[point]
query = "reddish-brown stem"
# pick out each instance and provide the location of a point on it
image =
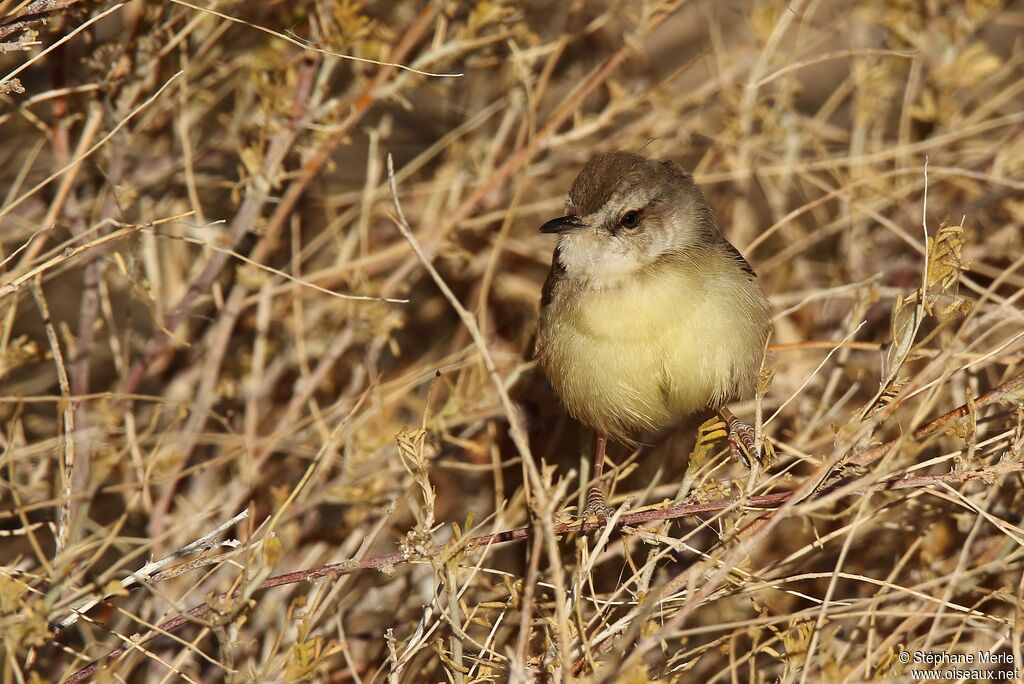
(1003, 391)
(1006, 390)
(522, 533)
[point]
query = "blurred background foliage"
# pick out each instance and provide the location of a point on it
(206, 307)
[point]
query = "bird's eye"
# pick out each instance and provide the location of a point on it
(631, 219)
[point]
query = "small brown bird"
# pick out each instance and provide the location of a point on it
(648, 314)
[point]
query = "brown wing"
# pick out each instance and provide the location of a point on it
(547, 295)
(730, 249)
(556, 273)
(735, 254)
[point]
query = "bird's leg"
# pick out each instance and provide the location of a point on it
(742, 440)
(596, 505)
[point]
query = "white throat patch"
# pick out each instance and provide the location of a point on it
(588, 257)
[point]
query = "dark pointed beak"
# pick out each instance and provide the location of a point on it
(562, 224)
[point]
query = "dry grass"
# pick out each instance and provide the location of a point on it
(236, 403)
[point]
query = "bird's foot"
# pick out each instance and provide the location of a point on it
(597, 507)
(709, 433)
(742, 442)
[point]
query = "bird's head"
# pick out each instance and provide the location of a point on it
(624, 214)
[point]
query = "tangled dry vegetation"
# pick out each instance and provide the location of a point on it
(251, 430)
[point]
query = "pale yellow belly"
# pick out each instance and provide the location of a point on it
(637, 359)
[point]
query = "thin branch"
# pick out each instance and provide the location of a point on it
(88, 153)
(67, 493)
(1011, 390)
(307, 46)
(35, 12)
(153, 568)
(386, 562)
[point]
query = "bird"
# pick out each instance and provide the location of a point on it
(648, 314)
